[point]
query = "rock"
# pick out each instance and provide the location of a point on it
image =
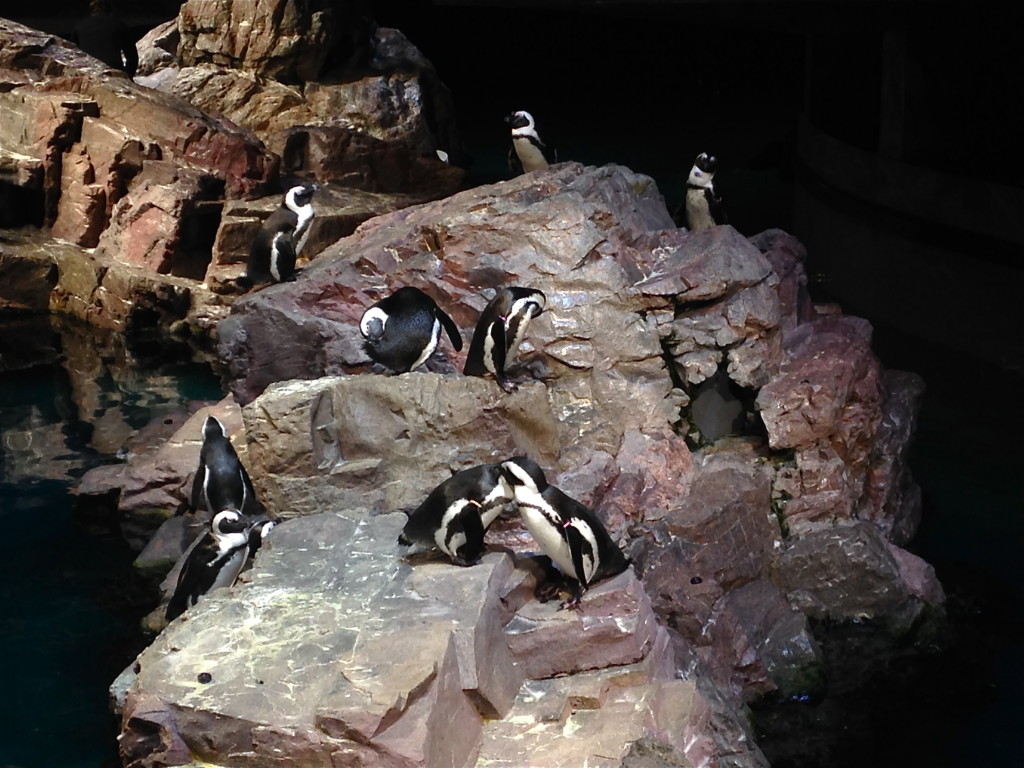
(155, 483)
(786, 254)
(379, 441)
(849, 573)
(286, 41)
(158, 49)
(25, 282)
(615, 618)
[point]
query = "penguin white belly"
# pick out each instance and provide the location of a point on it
(435, 334)
(518, 307)
(231, 568)
(545, 526)
(529, 155)
(698, 215)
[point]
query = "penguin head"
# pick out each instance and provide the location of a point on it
(521, 472)
(520, 120)
(227, 522)
(372, 324)
(213, 428)
(300, 195)
(703, 171)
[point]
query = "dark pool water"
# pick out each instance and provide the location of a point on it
(70, 604)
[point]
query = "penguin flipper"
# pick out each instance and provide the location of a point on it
(514, 163)
(475, 358)
(197, 487)
(715, 207)
(450, 327)
(577, 543)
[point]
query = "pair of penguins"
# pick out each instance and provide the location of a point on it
(702, 207)
(456, 514)
(453, 517)
(237, 529)
(402, 330)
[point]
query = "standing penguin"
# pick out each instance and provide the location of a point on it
(528, 152)
(457, 512)
(221, 481)
(567, 531)
(274, 250)
(500, 331)
(703, 207)
(215, 561)
(402, 330)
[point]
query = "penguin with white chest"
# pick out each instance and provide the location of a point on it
(528, 152)
(276, 246)
(215, 561)
(500, 331)
(568, 532)
(221, 481)
(457, 513)
(703, 206)
(401, 331)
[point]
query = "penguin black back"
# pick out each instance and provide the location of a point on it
(455, 515)
(500, 330)
(215, 561)
(401, 331)
(276, 246)
(221, 481)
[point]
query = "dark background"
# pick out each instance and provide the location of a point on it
(649, 86)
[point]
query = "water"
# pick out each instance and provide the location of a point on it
(71, 604)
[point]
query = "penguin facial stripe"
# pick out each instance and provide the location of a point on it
(428, 350)
(525, 481)
(373, 313)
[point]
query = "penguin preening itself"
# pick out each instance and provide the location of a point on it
(500, 331)
(528, 152)
(221, 481)
(567, 531)
(215, 561)
(703, 206)
(279, 242)
(458, 511)
(401, 331)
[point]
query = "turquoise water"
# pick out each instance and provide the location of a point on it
(71, 606)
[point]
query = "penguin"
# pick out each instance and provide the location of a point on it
(215, 561)
(703, 207)
(258, 533)
(402, 330)
(274, 250)
(500, 330)
(568, 532)
(457, 512)
(528, 152)
(221, 481)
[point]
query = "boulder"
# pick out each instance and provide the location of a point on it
(392, 663)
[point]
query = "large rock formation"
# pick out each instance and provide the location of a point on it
(155, 185)
(740, 541)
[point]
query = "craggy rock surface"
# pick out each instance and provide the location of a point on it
(738, 544)
(372, 121)
(459, 686)
(162, 188)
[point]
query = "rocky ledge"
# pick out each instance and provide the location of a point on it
(742, 445)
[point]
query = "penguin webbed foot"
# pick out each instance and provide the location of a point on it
(573, 603)
(507, 384)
